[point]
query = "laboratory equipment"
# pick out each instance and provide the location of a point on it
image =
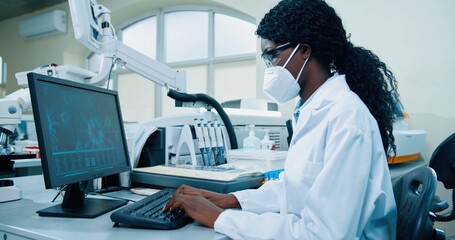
(208, 146)
(169, 129)
(409, 142)
(220, 142)
(66, 72)
(186, 142)
(209, 178)
(147, 213)
(11, 108)
(200, 139)
(81, 138)
(215, 173)
(266, 143)
(200, 100)
(251, 142)
(9, 191)
(93, 28)
(258, 160)
(160, 148)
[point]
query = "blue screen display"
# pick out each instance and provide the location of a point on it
(80, 130)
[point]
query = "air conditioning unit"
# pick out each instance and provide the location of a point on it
(46, 24)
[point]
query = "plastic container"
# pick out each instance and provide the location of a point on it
(252, 142)
(266, 143)
(259, 160)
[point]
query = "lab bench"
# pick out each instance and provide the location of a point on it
(19, 220)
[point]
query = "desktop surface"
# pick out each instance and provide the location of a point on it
(20, 218)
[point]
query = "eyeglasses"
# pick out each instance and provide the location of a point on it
(270, 56)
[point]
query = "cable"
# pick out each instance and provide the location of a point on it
(60, 190)
(110, 71)
(185, 97)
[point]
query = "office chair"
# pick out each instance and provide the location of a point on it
(443, 162)
(414, 194)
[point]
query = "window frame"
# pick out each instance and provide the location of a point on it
(211, 59)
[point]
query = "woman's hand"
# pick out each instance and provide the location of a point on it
(201, 205)
(219, 199)
(195, 206)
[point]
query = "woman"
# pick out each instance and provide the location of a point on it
(336, 183)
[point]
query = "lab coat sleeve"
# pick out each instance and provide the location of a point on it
(334, 202)
(264, 199)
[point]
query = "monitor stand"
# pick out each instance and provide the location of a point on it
(75, 205)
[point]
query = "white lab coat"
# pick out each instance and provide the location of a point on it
(336, 183)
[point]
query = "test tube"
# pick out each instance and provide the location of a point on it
(213, 142)
(205, 131)
(200, 139)
(220, 141)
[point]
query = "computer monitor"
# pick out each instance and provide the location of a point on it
(86, 27)
(81, 137)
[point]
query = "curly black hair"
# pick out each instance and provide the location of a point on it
(315, 23)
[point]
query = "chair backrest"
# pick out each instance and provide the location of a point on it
(443, 162)
(414, 194)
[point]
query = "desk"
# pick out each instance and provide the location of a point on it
(20, 167)
(19, 220)
(27, 167)
(400, 169)
(395, 169)
(22, 163)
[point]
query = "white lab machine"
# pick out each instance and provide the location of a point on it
(162, 146)
(8, 191)
(171, 130)
(409, 142)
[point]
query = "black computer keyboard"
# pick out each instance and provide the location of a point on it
(147, 213)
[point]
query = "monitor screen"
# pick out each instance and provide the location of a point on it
(85, 24)
(80, 136)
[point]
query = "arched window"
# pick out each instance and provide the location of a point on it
(215, 47)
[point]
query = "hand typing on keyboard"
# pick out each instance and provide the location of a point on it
(201, 205)
(171, 209)
(147, 213)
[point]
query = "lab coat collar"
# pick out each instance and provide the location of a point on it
(329, 91)
(334, 88)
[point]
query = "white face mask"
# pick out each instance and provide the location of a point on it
(279, 84)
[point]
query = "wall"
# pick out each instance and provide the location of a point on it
(22, 55)
(415, 38)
